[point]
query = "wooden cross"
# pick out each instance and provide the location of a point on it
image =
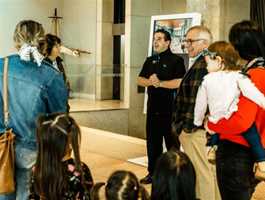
(67, 50)
(55, 22)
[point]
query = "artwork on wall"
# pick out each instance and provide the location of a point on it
(177, 25)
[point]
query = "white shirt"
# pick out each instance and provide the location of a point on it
(54, 64)
(220, 92)
(193, 60)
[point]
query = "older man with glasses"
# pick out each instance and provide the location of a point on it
(191, 137)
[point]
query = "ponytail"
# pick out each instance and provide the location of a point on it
(75, 138)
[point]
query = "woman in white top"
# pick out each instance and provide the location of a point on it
(219, 94)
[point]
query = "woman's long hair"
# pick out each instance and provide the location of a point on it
(248, 39)
(121, 185)
(55, 134)
(174, 177)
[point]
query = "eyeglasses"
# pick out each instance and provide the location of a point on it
(190, 41)
(211, 54)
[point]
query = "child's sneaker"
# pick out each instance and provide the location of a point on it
(211, 154)
(259, 170)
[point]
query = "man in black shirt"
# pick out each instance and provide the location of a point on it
(161, 74)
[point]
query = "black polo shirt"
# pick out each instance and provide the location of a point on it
(166, 66)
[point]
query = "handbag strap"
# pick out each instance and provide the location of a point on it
(5, 92)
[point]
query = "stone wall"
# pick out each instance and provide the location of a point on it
(219, 15)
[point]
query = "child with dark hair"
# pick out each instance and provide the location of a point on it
(174, 177)
(121, 185)
(220, 91)
(56, 175)
(51, 50)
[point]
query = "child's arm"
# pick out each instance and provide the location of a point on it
(250, 91)
(200, 105)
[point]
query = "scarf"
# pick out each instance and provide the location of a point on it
(26, 52)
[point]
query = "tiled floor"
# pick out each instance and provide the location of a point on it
(105, 152)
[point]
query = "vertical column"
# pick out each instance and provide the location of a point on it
(137, 28)
(211, 14)
(104, 49)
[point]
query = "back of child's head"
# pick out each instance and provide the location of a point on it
(229, 55)
(56, 134)
(51, 41)
(122, 185)
(174, 177)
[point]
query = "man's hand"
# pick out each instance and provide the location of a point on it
(207, 128)
(154, 80)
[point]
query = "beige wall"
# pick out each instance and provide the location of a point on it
(104, 53)
(173, 6)
(211, 14)
(13, 11)
(79, 30)
(233, 11)
(219, 15)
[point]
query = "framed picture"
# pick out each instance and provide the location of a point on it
(177, 25)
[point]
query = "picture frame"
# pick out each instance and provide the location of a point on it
(177, 25)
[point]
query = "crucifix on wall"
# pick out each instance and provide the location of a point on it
(55, 23)
(55, 30)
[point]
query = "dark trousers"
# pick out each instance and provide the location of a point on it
(157, 127)
(234, 167)
(253, 138)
